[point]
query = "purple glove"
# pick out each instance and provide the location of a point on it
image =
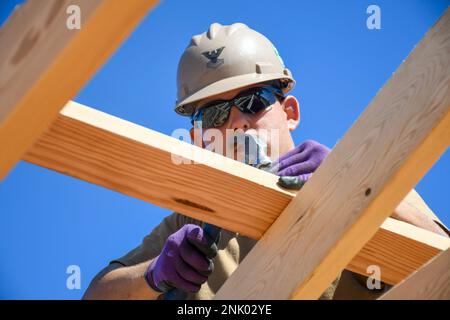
(296, 166)
(185, 261)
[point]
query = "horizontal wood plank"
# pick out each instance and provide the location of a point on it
(102, 149)
(398, 249)
(122, 156)
(430, 282)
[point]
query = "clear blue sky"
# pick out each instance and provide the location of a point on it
(49, 221)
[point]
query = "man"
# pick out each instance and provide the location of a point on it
(229, 78)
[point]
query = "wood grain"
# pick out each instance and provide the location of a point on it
(431, 282)
(102, 149)
(119, 155)
(399, 249)
(401, 134)
(43, 64)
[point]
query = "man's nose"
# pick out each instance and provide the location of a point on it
(238, 120)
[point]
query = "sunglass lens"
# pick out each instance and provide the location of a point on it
(215, 116)
(257, 101)
(252, 101)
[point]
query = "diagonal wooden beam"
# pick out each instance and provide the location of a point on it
(431, 282)
(102, 149)
(43, 64)
(401, 134)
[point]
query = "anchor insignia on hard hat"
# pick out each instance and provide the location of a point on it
(213, 57)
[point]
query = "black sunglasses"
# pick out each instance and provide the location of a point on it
(214, 114)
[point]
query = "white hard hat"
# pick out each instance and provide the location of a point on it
(226, 58)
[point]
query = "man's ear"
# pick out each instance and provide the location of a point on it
(196, 137)
(291, 108)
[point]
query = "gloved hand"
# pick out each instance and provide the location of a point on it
(296, 166)
(185, 261)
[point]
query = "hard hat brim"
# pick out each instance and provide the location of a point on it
(228, 84)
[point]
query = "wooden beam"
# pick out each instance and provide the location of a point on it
(398, 248)
(102, 149)
(43, 64)
(122, 156)
(431, 282)
(401, 134)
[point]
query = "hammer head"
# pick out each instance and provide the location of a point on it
(252, 149)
